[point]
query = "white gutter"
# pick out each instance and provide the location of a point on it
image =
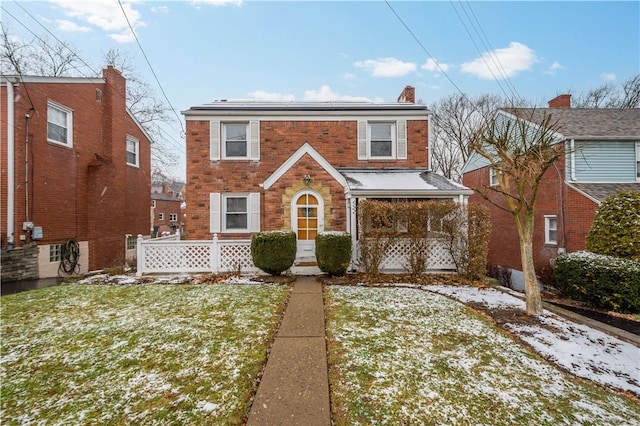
(10, 164)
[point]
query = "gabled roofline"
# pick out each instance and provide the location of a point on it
(559, 135)
(306, 148)
(137, 123)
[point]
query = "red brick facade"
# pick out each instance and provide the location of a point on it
(334, 139)
(574, 212)
(165, 207)
(85, 191)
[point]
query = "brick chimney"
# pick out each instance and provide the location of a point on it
(560, 101)
(408, 95)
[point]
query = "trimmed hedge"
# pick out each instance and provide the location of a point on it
(601, 281)
(333, 252)
(274, 252)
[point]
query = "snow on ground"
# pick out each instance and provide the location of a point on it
(577, 348)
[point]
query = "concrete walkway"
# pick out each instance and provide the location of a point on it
(294, 389)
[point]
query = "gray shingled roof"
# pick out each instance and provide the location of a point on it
(600, 191)
(161, 196)
(584, 124)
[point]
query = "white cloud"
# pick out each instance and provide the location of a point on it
(608, 76)
(502, 63)
(325, 94)
(104, 14)
(386, 67)
(261, 95)
(433, 65)
(555, 66)
(64, 25)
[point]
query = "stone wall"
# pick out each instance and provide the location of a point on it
(20, 264)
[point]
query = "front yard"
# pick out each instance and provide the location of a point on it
(159, 354)
(128, 353)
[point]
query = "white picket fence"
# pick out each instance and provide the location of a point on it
(170, 255)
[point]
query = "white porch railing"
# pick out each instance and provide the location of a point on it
(170, 255)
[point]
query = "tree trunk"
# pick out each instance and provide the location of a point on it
(531, 289)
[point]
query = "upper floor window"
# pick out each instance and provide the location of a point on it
(153, 204)
(384, 140)
(160, 216)
(59, 124)
(133, 148)
(173, 217)
(234, 140)
(550, 229)
(493, 177)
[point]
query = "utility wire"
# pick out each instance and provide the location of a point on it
(482, 56)
(151, 68)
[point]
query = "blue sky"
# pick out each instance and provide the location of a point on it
(350, 50)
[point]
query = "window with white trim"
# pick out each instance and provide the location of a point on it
(133, 150)
(160, 216)
(493, 177)
(235, 140)
(132, 242)
(234, 212)
(153, 204)
(382, 140)
(550, 229)
(173, 217)
(55, 252)
(59, 124)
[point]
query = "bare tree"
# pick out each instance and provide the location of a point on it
(625, 96)
(456, 118)
(520, 150)
(40, 56)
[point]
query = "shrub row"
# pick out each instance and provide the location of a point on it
(601, 281)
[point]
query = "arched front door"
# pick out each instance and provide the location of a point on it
(307, 217)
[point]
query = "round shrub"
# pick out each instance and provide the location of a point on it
(616, 228)
(274, 252)
(333, 252)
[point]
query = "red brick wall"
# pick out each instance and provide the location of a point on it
(336, 141)
(166, 207)
(577, 216)
(85, 192)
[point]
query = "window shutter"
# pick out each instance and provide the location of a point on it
(214, 212)
(254, 212)
(214, 140)
(362, 140)
(254, 144)
(401, 139)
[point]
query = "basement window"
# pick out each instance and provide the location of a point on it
(55, 252)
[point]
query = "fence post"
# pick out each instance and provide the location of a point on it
(214, 254)
(139, 256)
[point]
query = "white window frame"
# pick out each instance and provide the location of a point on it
(173, 217)
(153, 204)
(638, 161)
(493, 177)
(392, 124)
(69, 123)
(160, 216)
(547, 229)
(226, 197)
(136, 144)
(223, 140)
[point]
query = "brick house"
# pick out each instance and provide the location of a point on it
(304, 166)
(166, 214)
(602, 158)
(75, 165)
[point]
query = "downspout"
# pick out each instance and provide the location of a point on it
(10, 165)
(573, 160)
(429, 141)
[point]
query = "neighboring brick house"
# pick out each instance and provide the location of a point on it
(75, 165)
(166, 214)
(303, 166)
(603, 157)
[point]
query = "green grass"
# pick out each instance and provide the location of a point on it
(406, 356)
(152, 354)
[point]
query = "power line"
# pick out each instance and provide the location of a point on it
(151, 67)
